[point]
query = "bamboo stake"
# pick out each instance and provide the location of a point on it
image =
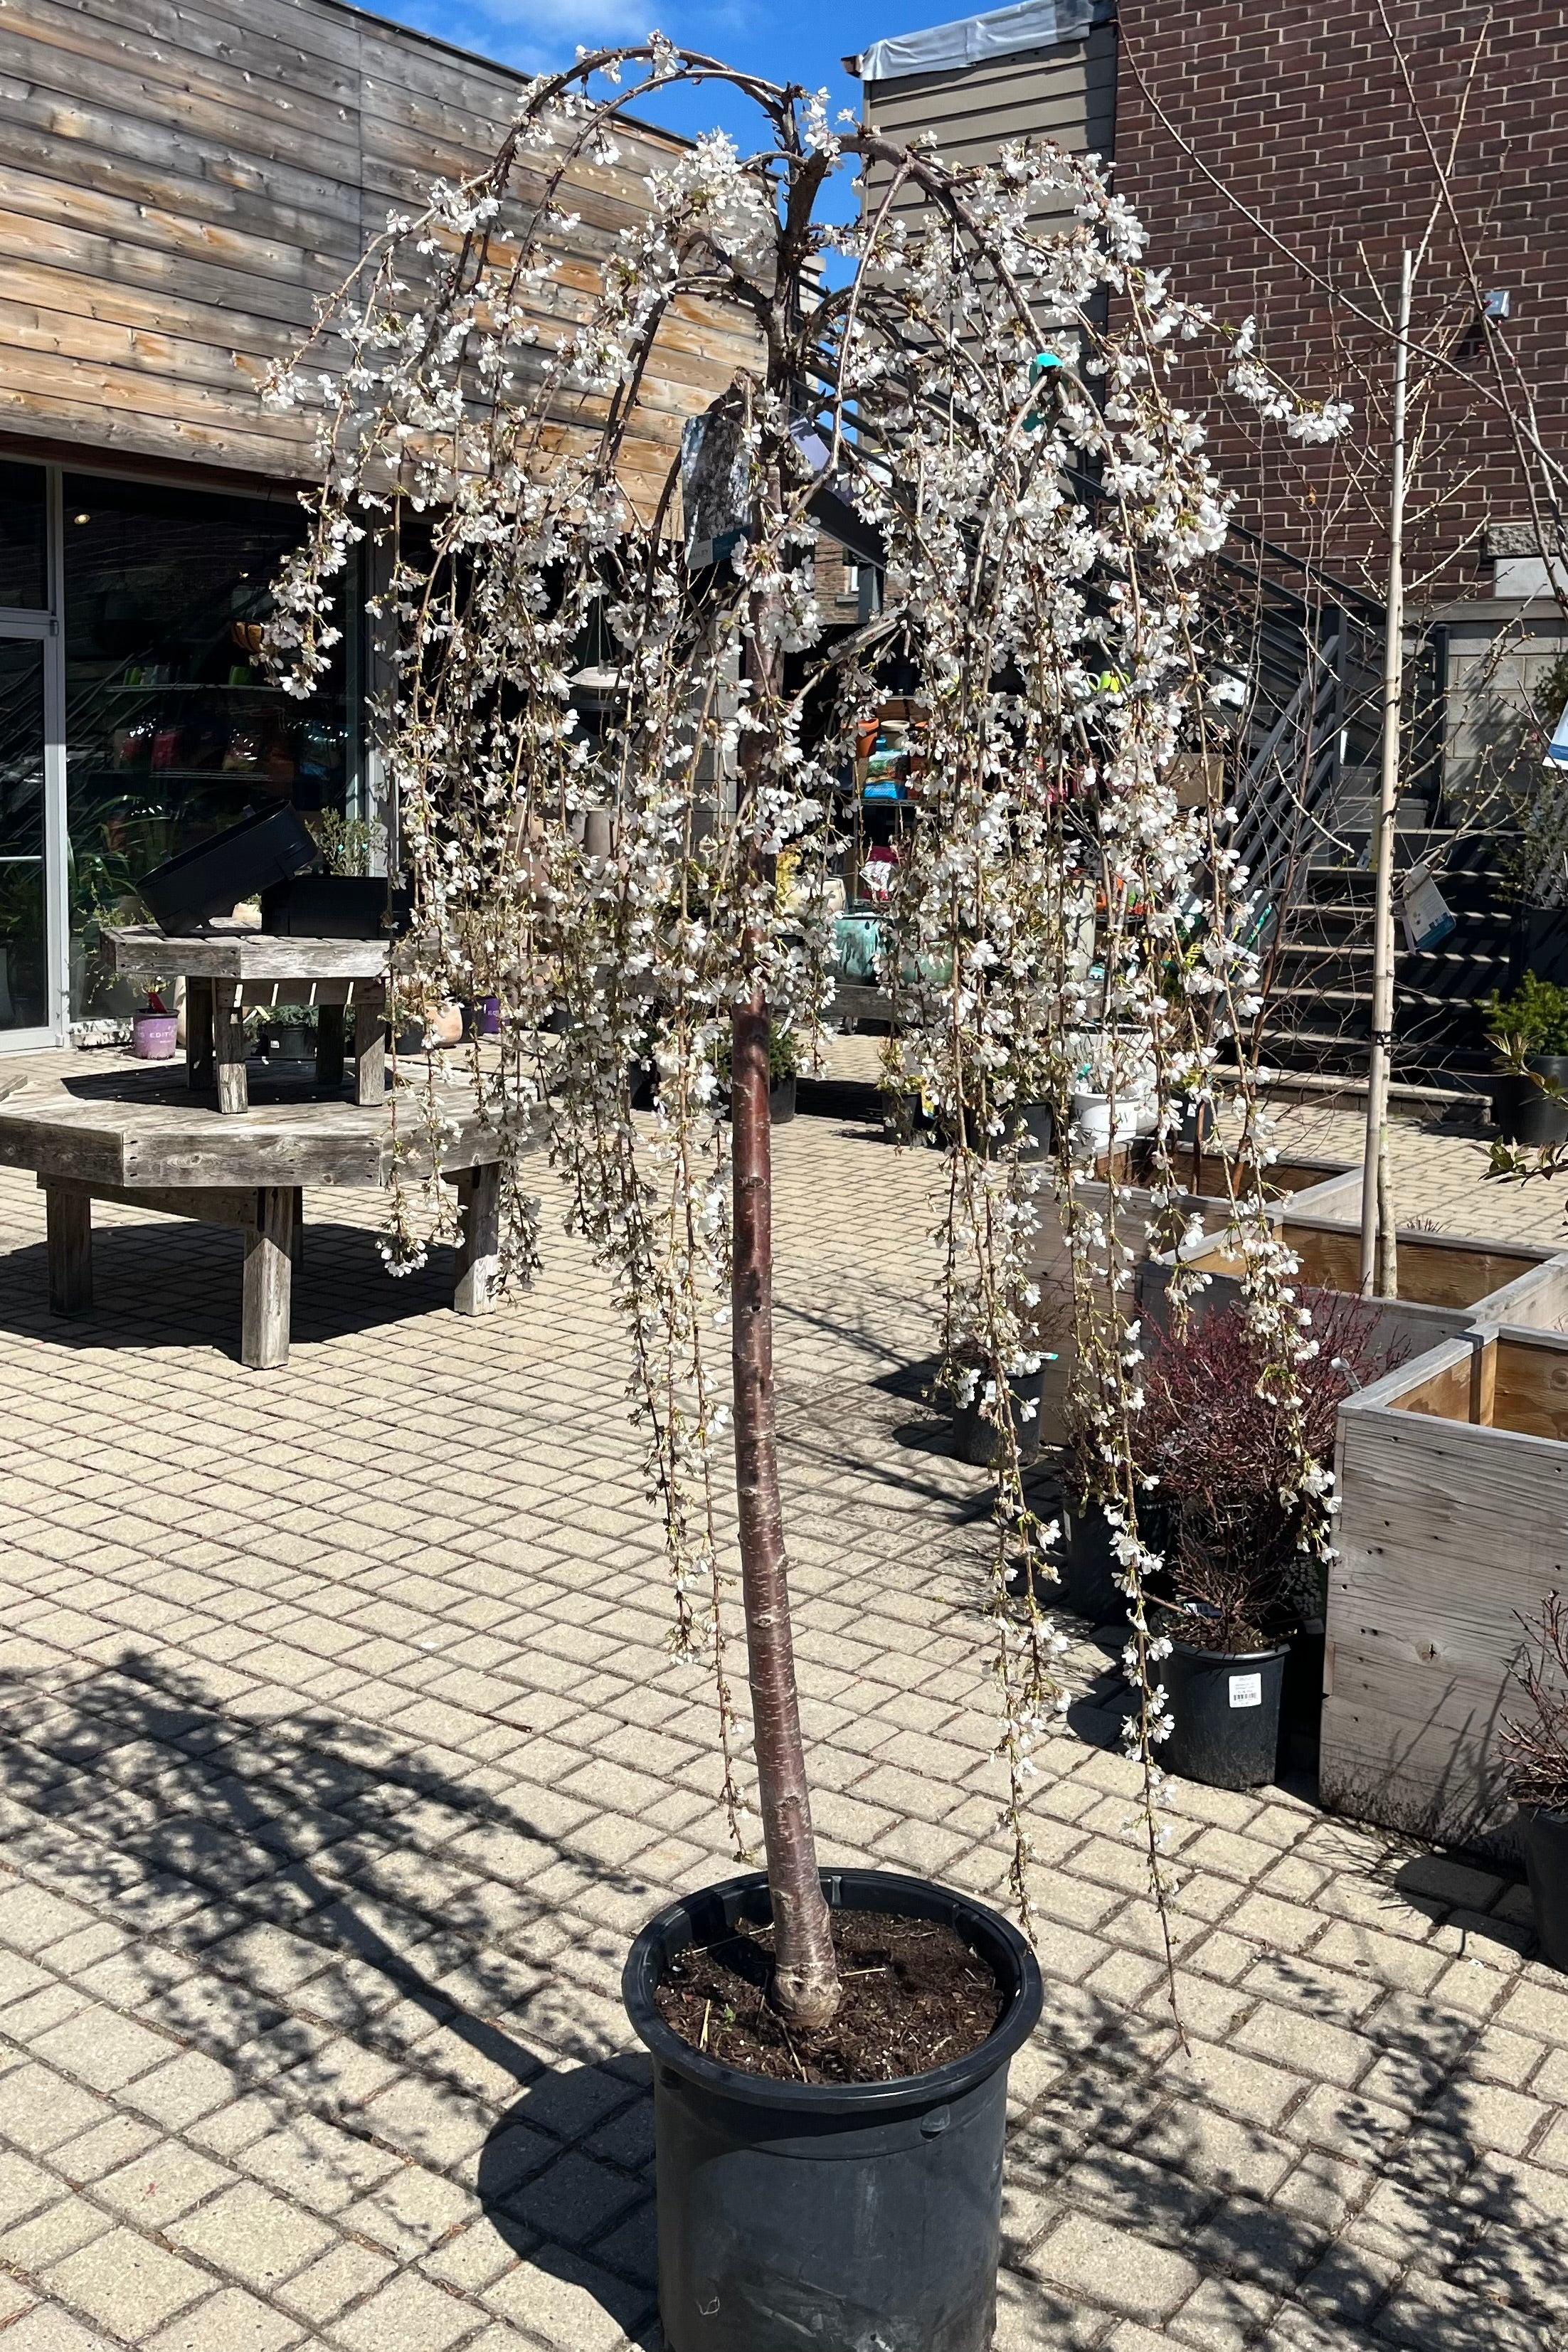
(1377, 1232)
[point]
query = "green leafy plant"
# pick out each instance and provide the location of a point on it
(1533, 1020)
(784, 1057)
(346, 843)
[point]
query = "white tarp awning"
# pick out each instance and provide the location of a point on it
(1030, 25)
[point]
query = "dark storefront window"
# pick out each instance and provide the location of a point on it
(174, 727)
(24, 537)
(23, 988)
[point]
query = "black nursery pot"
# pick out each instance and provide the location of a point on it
(1521, 1113)
(781, 1101)
(974, 1438)
(848, 2216)
(1543, 1833)
(1226, 1711)
(1090, 1579)
(1301, 1698)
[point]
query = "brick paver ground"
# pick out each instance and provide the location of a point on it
(343, 1753)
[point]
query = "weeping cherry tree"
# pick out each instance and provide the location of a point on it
(989, 395)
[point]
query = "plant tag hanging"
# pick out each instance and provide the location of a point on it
(1246, 1690)
(1427, 914)
(1557, 749)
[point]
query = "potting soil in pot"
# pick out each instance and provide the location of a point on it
(915, 1997)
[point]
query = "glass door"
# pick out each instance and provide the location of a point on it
(27, 994)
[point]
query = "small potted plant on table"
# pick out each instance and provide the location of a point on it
(155, 1031)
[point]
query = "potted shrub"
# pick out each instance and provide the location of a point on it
(287, 1038)
(974, 1428)
(1536, 1750)
(784, 1066)
(1529, 1032)
(1248, 1590)
(830, 2047)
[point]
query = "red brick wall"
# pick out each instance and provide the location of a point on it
(1299, 109)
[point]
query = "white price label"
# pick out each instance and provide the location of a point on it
(1246, 1690)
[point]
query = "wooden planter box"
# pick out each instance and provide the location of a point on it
(1447, 1282)
(1453, 1477)
(1321, 1182)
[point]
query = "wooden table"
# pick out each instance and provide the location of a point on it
(232, 967)
(139, 1136)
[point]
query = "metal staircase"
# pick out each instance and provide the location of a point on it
(1306, 798)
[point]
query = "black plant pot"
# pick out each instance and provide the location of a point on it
(1225, 1710)
(1521, 1113)
(1090, 1581)
(1302, 1699)
(187, 891)
(974, 1438)
(804, 2217)
(1196, 1125)
(1543, 1834)
(334, 907)
(781, 1101)
(642, 1079)
(903, 1116)
(1040, 1122)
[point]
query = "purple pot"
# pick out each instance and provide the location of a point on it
(155, 1036)
(487, 1024)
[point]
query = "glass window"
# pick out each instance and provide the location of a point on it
(24, 989)
(173, 728)
(24, 537)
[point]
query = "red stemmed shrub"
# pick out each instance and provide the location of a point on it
(1219, 1452)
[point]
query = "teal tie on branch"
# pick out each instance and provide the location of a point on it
(1040, 367)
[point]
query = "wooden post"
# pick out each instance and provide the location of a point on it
(68, 1218)
(268, 1244)
(1378, 1262)
(330, 1027)
(199, 1034)
(478, 1258)
(296, 1238)
(229, 1046)
(369, 1045)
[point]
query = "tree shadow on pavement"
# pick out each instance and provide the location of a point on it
(384, 1959)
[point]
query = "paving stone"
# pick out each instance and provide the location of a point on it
(229, 2321)
(124, 2282)
(1223, 2314)
(159, 2187)
(1090, 2257)
(410, 2313)
(340, 2276)
(1305, 2041)
(53, 2232)
(24, 2187)
(46, 2330)
(558, 2300)
(103, 2050)
(252, 2235)
(409, 2212)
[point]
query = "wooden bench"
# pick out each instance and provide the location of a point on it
(136, 1138)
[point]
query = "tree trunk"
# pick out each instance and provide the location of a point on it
(806, 1977)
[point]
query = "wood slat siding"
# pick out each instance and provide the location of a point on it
(1449, 1533)
(182, 180)
(1066, 93)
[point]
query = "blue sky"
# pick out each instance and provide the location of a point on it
(798, 40)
